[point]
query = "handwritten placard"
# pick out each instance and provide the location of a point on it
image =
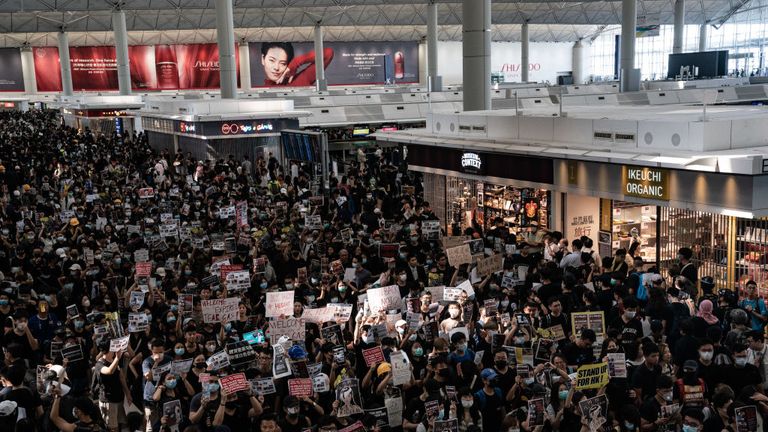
(220, 310)
(279, 304)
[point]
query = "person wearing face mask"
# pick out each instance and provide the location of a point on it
(652, 416)
(741, 373)
(112, 384)
(85, 412)
(203, 407)
(691, 390)
(467, 411)
(630, 417)
(293, 420)
(21, 335)
(461, 352)
(453, 320)
(414, 271)
(490, 401)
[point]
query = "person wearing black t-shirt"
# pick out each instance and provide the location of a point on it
(580, 352)
(628, 324)
(645, 376)
(556, 316)
(740, 374)
(653, 415)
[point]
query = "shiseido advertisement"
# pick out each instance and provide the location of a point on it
(11, 75)
(161, 67)
(276, 64)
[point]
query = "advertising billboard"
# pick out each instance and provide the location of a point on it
(11, 75)
(275, 64)
(160, 67)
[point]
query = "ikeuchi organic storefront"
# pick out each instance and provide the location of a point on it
(721, 216)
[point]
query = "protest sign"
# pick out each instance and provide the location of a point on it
(158, 371)
(263, 386)
(318, 315)
(300, 387)
(466, 286)
(348, 396)
(136, 300)
(239, 280)
(72, 311)
(186, 303)
(591, 320)
(145, 193)
(119, 344)
(490, 265)
(220, 310)
(746, 419)
(451, 425)
(72, 353)
(172, 412)
(384, 298)
(313, 222)
(279, 304)
(450, 242)
(536, 412)
(226, 269)
(593, 376)
(595, 412)
(241, 210)
(342, 311)
(234, 383)
(137, 322)
(240, 353)
(218, 361)
(179, 367)
(141, 255)
(294, 328)
(143, 269)
(333, 334)
(373, 356)
(401, 370)
(280, 366)
(617, 365)
(459, 255)
(451, 294)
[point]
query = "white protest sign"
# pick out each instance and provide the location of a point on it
(238, 280)
(119, 344)
(401, 368)
(384, 298)
(467, 287)
(218, 361)
(137, 322)
(294, 328)
(279, 304)
(319, 315)
(220, 310)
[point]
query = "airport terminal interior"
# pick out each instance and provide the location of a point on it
(384, 215)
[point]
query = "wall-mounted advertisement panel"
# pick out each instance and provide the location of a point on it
(275, 64)
(158, 67)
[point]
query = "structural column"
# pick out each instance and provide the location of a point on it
(28, 70)
(121, 51)
(66, 71)
(679, 29)
(321, 84)
(703, 37)
(525, 61)
(630, 78)
(225, 36)
(578, 62)
(245, 65)
(477, 54)
(436, 81)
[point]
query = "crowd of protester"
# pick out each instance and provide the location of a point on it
(104, 240)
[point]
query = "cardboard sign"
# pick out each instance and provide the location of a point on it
(220, 310)
(300, 387)
(263, 386)
(294, 328)
(234, 383)
(145, 193)
(594, 376)
(240, 353)
(279, 304)
(384, 299)
(490, 265)
(179, 367)
(466, 286)
(401, 370)
(141, 255)
(319, 315)
(119, 344)
(591, 320)
(459, 255)
(373, 356)
(314, 222)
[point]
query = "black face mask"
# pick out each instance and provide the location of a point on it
(445, 373)
(202, 365)
(500, 364)
(231, 404)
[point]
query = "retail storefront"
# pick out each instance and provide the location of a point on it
(665, 209)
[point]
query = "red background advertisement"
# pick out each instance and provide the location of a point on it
(161, 67)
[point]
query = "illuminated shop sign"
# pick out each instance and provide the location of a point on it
(645, 182)
(471, 163)
(243, 128)
(187, 127)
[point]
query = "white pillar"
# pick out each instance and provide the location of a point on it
(225, 36)
(630, 78)
(703, 37)
(525, 60)
(679, 28)
(245, 65)
(321, 84)
(477, 54)
(432, 58)
(578, 60)
(28, 70)
(121, 52)
(66, 71)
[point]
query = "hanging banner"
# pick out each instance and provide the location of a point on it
(11, 75)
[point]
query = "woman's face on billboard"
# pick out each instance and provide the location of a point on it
(275, 63)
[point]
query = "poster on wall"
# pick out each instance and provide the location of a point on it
(11, 75)
(582, 216)
(648, 25)
(159, 67)
(275, 64)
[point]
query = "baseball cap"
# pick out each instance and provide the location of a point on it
(488, 374)
(690, 366)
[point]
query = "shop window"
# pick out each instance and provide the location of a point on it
(635, 222)
(751, 253)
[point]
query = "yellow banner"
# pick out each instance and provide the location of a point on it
(593, 376)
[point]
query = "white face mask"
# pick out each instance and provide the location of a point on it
(369, 339)
(403, 278)
(740, 361)
(706, 355)
(630, 314)
(454, 313)
(467, 403)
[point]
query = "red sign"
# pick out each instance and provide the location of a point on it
(143, 269)
(161, 67)
(227, 269)
(234, 383)
(300, 387)
(373, 356)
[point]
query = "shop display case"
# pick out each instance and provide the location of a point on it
(632, 221)
(517, 206)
